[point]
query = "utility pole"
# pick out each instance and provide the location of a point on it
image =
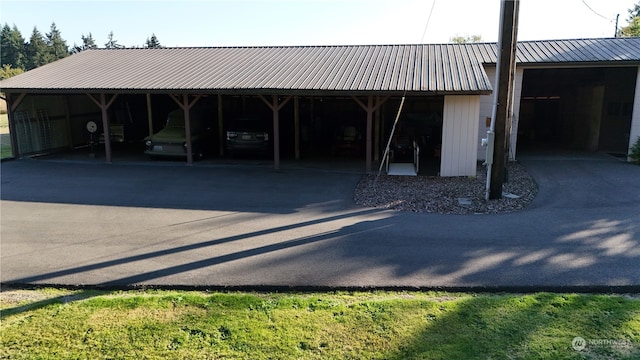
(505, 69)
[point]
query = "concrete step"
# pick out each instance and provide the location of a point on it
(402, 169)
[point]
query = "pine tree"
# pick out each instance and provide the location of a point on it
(153, 42)
(87, 43)
(111, 43)
(12, 48)
(57, 46)
(38, 52)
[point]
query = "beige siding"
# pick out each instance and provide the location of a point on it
(486, 107)
(460, 135)
(635, 120)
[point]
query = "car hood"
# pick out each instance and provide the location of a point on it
(169, 134)
(174, 134)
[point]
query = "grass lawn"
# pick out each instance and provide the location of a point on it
(54, 323)
(5, 144)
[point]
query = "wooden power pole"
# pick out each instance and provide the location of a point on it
(505, 74)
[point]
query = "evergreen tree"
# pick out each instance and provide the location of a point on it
(111, 43)
(12, 47)
(57, 46)
(87, 43)
(153, 42)
(38, 52)
(633, 27)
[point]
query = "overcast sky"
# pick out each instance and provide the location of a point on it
(308, 22)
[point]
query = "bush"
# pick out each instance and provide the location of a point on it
(634, 154)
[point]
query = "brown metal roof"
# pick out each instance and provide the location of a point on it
(376, 68)
(425, 69)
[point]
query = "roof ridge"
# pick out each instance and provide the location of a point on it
(482, 43)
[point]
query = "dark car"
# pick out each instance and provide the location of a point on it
(171, 141)
(248, 135)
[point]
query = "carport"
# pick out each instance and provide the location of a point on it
(54, 101)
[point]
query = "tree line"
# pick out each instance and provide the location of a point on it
(18, 55)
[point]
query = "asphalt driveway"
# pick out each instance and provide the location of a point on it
(250, 226)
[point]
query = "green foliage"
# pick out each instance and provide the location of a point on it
(633, 26)
(634, 152)
(56, 45)
(379, 325)
(112, 43)
(465, 39)
(633, 29)
(153, 42)
(7, 71)
(38, 53)
(12, 47)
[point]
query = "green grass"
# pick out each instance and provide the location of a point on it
(377, 325)
(5, 144)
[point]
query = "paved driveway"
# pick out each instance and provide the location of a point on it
(119, 225)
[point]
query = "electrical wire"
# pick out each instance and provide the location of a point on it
(424, 33)
(595, 12)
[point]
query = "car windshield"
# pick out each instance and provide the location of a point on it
(253, 125)
(175, 119)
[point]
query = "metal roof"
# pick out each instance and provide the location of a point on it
(425, 69)
(570, 52)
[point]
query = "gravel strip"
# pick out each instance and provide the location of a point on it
(446, 195)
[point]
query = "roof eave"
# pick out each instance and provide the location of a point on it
(278, 92)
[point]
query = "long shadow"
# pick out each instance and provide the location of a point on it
(147, 276)
(540, 326)
(246, 188)
(63, 299)
(209, 262)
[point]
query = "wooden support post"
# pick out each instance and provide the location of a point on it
(507, 48)
(104, 105)
(370, 108)
(369, 132)
(149, 114)
(221, 135)
(376, 134)
(275, 105)
(296, 125)
(105, 128)
(187, 127)
(186, 106)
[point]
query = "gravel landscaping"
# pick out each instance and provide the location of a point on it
(446, 195)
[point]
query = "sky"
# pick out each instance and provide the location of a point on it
(308, 22)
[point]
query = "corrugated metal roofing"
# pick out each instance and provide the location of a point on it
(429, 68)
(379, 68)
(574, 51)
